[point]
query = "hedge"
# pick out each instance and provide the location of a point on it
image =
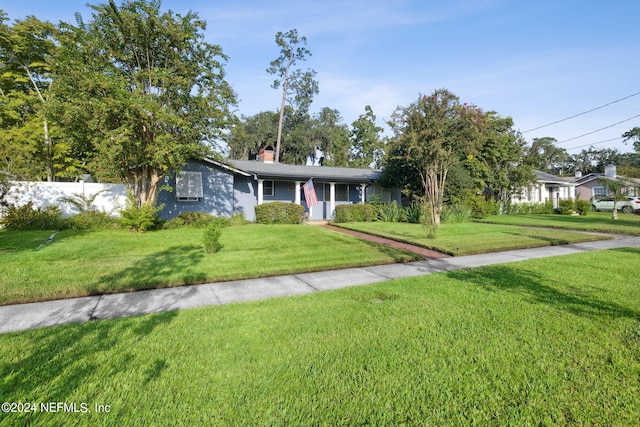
(279, 213)
(362, 212)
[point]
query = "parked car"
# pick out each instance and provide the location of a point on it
(624, 204)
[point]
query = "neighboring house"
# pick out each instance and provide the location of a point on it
(548, 187)
(223, 188)
(593, 186)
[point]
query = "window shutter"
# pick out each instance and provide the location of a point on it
(189, 185)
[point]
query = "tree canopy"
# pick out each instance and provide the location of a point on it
(430, 135)
(140, 92)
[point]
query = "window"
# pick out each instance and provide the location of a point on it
(267, 188)
(189, 186)
(599, 192)
(342, 192)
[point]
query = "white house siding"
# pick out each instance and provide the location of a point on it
(111, 199)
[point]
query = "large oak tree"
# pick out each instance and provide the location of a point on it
(140, 91)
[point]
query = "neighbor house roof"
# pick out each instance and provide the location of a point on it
(298, 172)
(551, 179)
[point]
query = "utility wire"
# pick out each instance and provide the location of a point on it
(594, 143)
(597, 130)
(580, 114)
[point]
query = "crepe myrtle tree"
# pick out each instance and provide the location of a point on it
(140, 91)
(429, 136)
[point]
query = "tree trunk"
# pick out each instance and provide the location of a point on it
(48, 151)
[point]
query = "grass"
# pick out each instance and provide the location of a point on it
(512, 344)
(78, 263)
(471, 238)
(628, 224)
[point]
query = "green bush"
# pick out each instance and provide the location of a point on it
(582, 207)
(455, 214)
(530, 208)
(279, 213)
(211, 237)
(361, 212)
(391, 212)
(140, 218)
(566, 207)
(91, 220)
(237, 219)
(482, 208)
(27, 217)
(190, 219)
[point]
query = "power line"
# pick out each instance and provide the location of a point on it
(594, 143)
(580, 114)
(598, 130)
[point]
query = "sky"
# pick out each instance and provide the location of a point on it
(537, 62)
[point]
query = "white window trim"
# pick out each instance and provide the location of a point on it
(264, 188)
(192, 189)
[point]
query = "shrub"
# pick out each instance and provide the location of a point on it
(190, 219)
(237, 218)
(279, 213)
(530, 208)
(91, 220)
(27, 217)
(414, 212)
(582, 207)
(362, 212)
(482, 208)
(211, 236)
(391, 212)
(455, 214)
(140, 218)
(566, 207)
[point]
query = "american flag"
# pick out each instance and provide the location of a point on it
(310, 194)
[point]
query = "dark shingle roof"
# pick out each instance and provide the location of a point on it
(547, 177)
(303, 173)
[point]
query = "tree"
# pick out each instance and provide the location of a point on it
(634, 136)
(367, 146)
(297, 83)
(498, 167)
(593, 160)
(616, 187)
(252, 133)
(140, 91)
(331, 137)
(27, 51)
(545, 156)
(430, 135)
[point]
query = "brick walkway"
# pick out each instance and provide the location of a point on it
(427, 253)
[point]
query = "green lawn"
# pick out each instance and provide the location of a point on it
(95, 262)
(595, 221)
(471, 238)
(540, 342)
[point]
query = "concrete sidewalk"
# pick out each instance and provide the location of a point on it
(35, 315)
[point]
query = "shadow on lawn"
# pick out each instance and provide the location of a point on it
(154, 270)
(62, 360)
(579, 300)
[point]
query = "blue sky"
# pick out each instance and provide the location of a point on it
(535, 61)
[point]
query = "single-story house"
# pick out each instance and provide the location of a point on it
(548, 187)
(225, 187)
(593, 186)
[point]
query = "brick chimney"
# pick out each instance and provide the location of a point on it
(265, 155)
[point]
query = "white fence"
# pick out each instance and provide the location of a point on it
(111, 199)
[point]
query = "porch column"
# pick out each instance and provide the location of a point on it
(363, 189)
(260, 191)
(297, 190)
(332, 198)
